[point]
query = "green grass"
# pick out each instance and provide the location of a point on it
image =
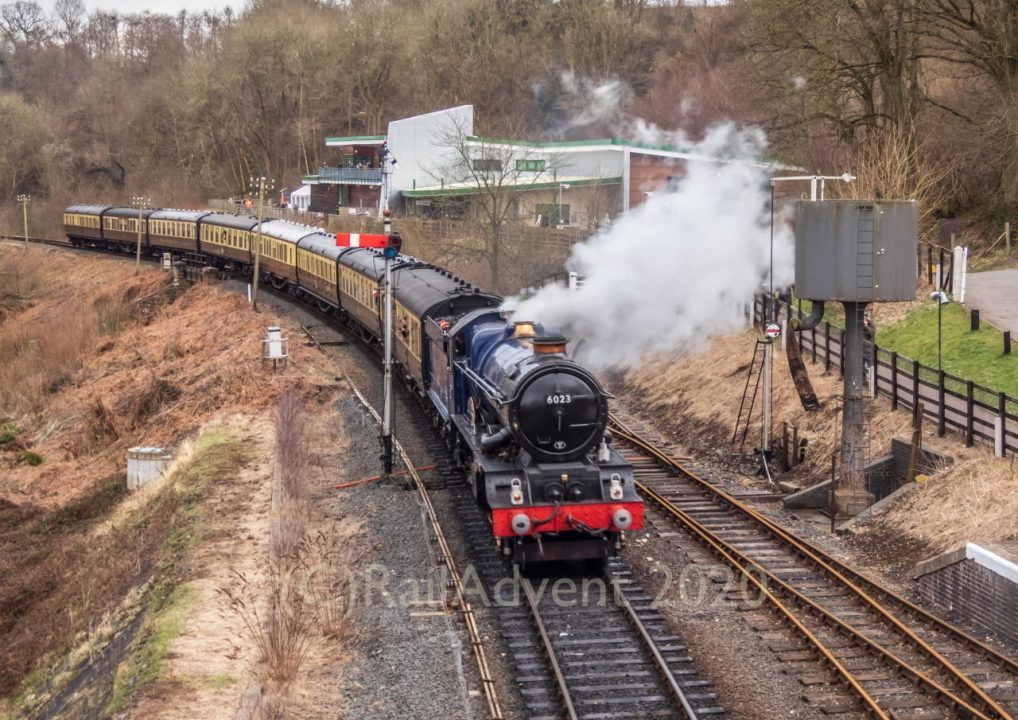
(30, 458)
(144, 664)
(977, 356)
(8, 431)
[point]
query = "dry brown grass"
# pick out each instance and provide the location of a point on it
(976, 500)
(695, 398)
(282, 626)
(158, 379)
(22, 281)
(293, 505)
(40, 358)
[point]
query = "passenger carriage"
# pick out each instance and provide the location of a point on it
(317, 257)
(279, 249)
(120, 228)
(175, 230)
(83, 223)
(226, 238)
(423, 292)
(360, 275)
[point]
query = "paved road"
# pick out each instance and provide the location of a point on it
(995, 295)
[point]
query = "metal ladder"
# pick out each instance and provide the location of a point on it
(744, 419)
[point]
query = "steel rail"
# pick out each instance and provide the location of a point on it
(872, 707)
(652, 648)
(549, 649)
(744, 564)
(822, 561)
(484, 670)
(21, 239)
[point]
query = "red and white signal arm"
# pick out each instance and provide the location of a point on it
(361, 240)
(773, 331)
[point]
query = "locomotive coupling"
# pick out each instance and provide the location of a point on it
(615, 489)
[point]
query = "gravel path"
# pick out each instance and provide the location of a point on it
(407, 651)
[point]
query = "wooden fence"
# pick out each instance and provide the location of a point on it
(979, 413)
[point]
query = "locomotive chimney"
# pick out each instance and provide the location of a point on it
(550, 345)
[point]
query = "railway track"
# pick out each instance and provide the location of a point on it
(588, 646)
(856, 647)
(610, 658)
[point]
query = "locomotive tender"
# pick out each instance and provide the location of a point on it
(527, 421)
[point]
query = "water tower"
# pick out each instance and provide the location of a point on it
(855, 252)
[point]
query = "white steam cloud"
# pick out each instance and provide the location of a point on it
(680, 267)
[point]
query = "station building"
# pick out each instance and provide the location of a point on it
(437, 167)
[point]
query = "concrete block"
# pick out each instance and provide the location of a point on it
(815, 496)
(875, 508)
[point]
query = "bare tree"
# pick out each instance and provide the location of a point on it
(494, 176)
(853, 65)
(71, 15)
(983, 35)
(24, 23)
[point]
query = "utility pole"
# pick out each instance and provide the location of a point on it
(141, 203)
(263, 184)
(24, 200)
(388, 329)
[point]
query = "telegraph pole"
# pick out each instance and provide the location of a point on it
(141, 203)
(24, 200)
(262, 184)
(388, 329)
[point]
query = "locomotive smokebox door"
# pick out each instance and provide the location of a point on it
(856, 250)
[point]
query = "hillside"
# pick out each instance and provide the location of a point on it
(100, 359)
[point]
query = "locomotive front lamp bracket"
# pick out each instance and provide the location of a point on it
(516, 491)
(615, 491)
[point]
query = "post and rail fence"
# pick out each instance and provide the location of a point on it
(954, 403)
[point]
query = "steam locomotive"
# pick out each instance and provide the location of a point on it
(528, 422)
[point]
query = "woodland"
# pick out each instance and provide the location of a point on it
(918, 97)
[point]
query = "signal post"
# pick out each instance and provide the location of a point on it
(390, 244)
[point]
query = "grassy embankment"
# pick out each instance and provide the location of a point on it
(977, 356)
(974, 355)
(145, 547)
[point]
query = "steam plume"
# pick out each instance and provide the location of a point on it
(680, 267)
